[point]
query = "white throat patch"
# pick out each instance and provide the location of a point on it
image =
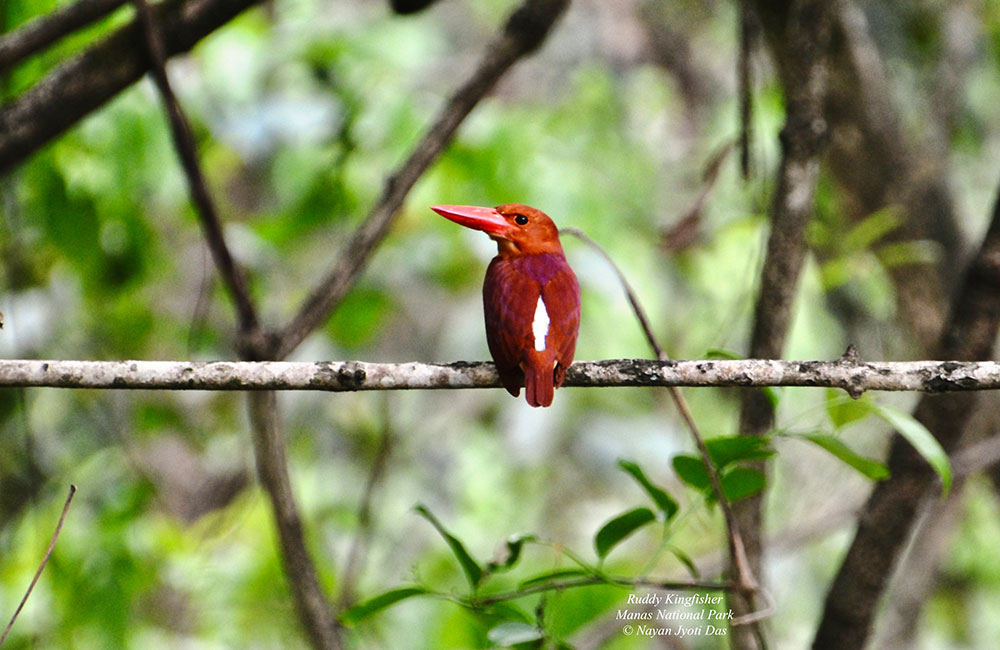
(540, 324)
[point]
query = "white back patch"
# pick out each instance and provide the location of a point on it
(540, 324)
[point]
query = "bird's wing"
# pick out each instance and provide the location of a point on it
(509, 300)
(562, 297)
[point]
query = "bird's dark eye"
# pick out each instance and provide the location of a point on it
(520, 219)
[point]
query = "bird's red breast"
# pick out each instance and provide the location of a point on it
(531, 298)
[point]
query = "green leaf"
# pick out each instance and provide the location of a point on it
(741, 482)
(686, 560)
(619, 528)
(872, 469)
(666, 504)
(552, 576)
(922, 440)
(473, 571)
(872, 228)
(504, 611)
(738, 482)
(691, 470)
(512, 555)
(913, 251)
(511, 633)
(733, 449)
(843, 410)
(366, 609)
(836, 272)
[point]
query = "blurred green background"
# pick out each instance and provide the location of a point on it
(301, 110)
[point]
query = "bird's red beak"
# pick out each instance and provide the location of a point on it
(486, 219)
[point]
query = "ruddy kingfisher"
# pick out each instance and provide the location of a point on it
(531, 298)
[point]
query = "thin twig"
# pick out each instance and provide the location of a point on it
(231, 274)
(45, 30)
(41, 567)
(737, 551)
(525, 31)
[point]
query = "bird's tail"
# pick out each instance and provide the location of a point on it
(539, 379)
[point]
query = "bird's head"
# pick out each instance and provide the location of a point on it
(517, 229)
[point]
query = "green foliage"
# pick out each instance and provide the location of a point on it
(510, 626)
(922, 440)
(616, 530)
(691, 470)
(726, 453)
(374, 605)
(871, 469)
(473, 572)
(844, 411)
(666, 503)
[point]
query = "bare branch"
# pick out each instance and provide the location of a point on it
(80, 85)
(272, 467)
(525, 31)
(231, 274)
(855, 377)
(45, 30)
(41, 567)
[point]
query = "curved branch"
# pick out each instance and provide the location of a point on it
(846, 373)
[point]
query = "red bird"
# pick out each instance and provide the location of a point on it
(531, 298)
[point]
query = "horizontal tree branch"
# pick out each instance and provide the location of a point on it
(847, 373)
